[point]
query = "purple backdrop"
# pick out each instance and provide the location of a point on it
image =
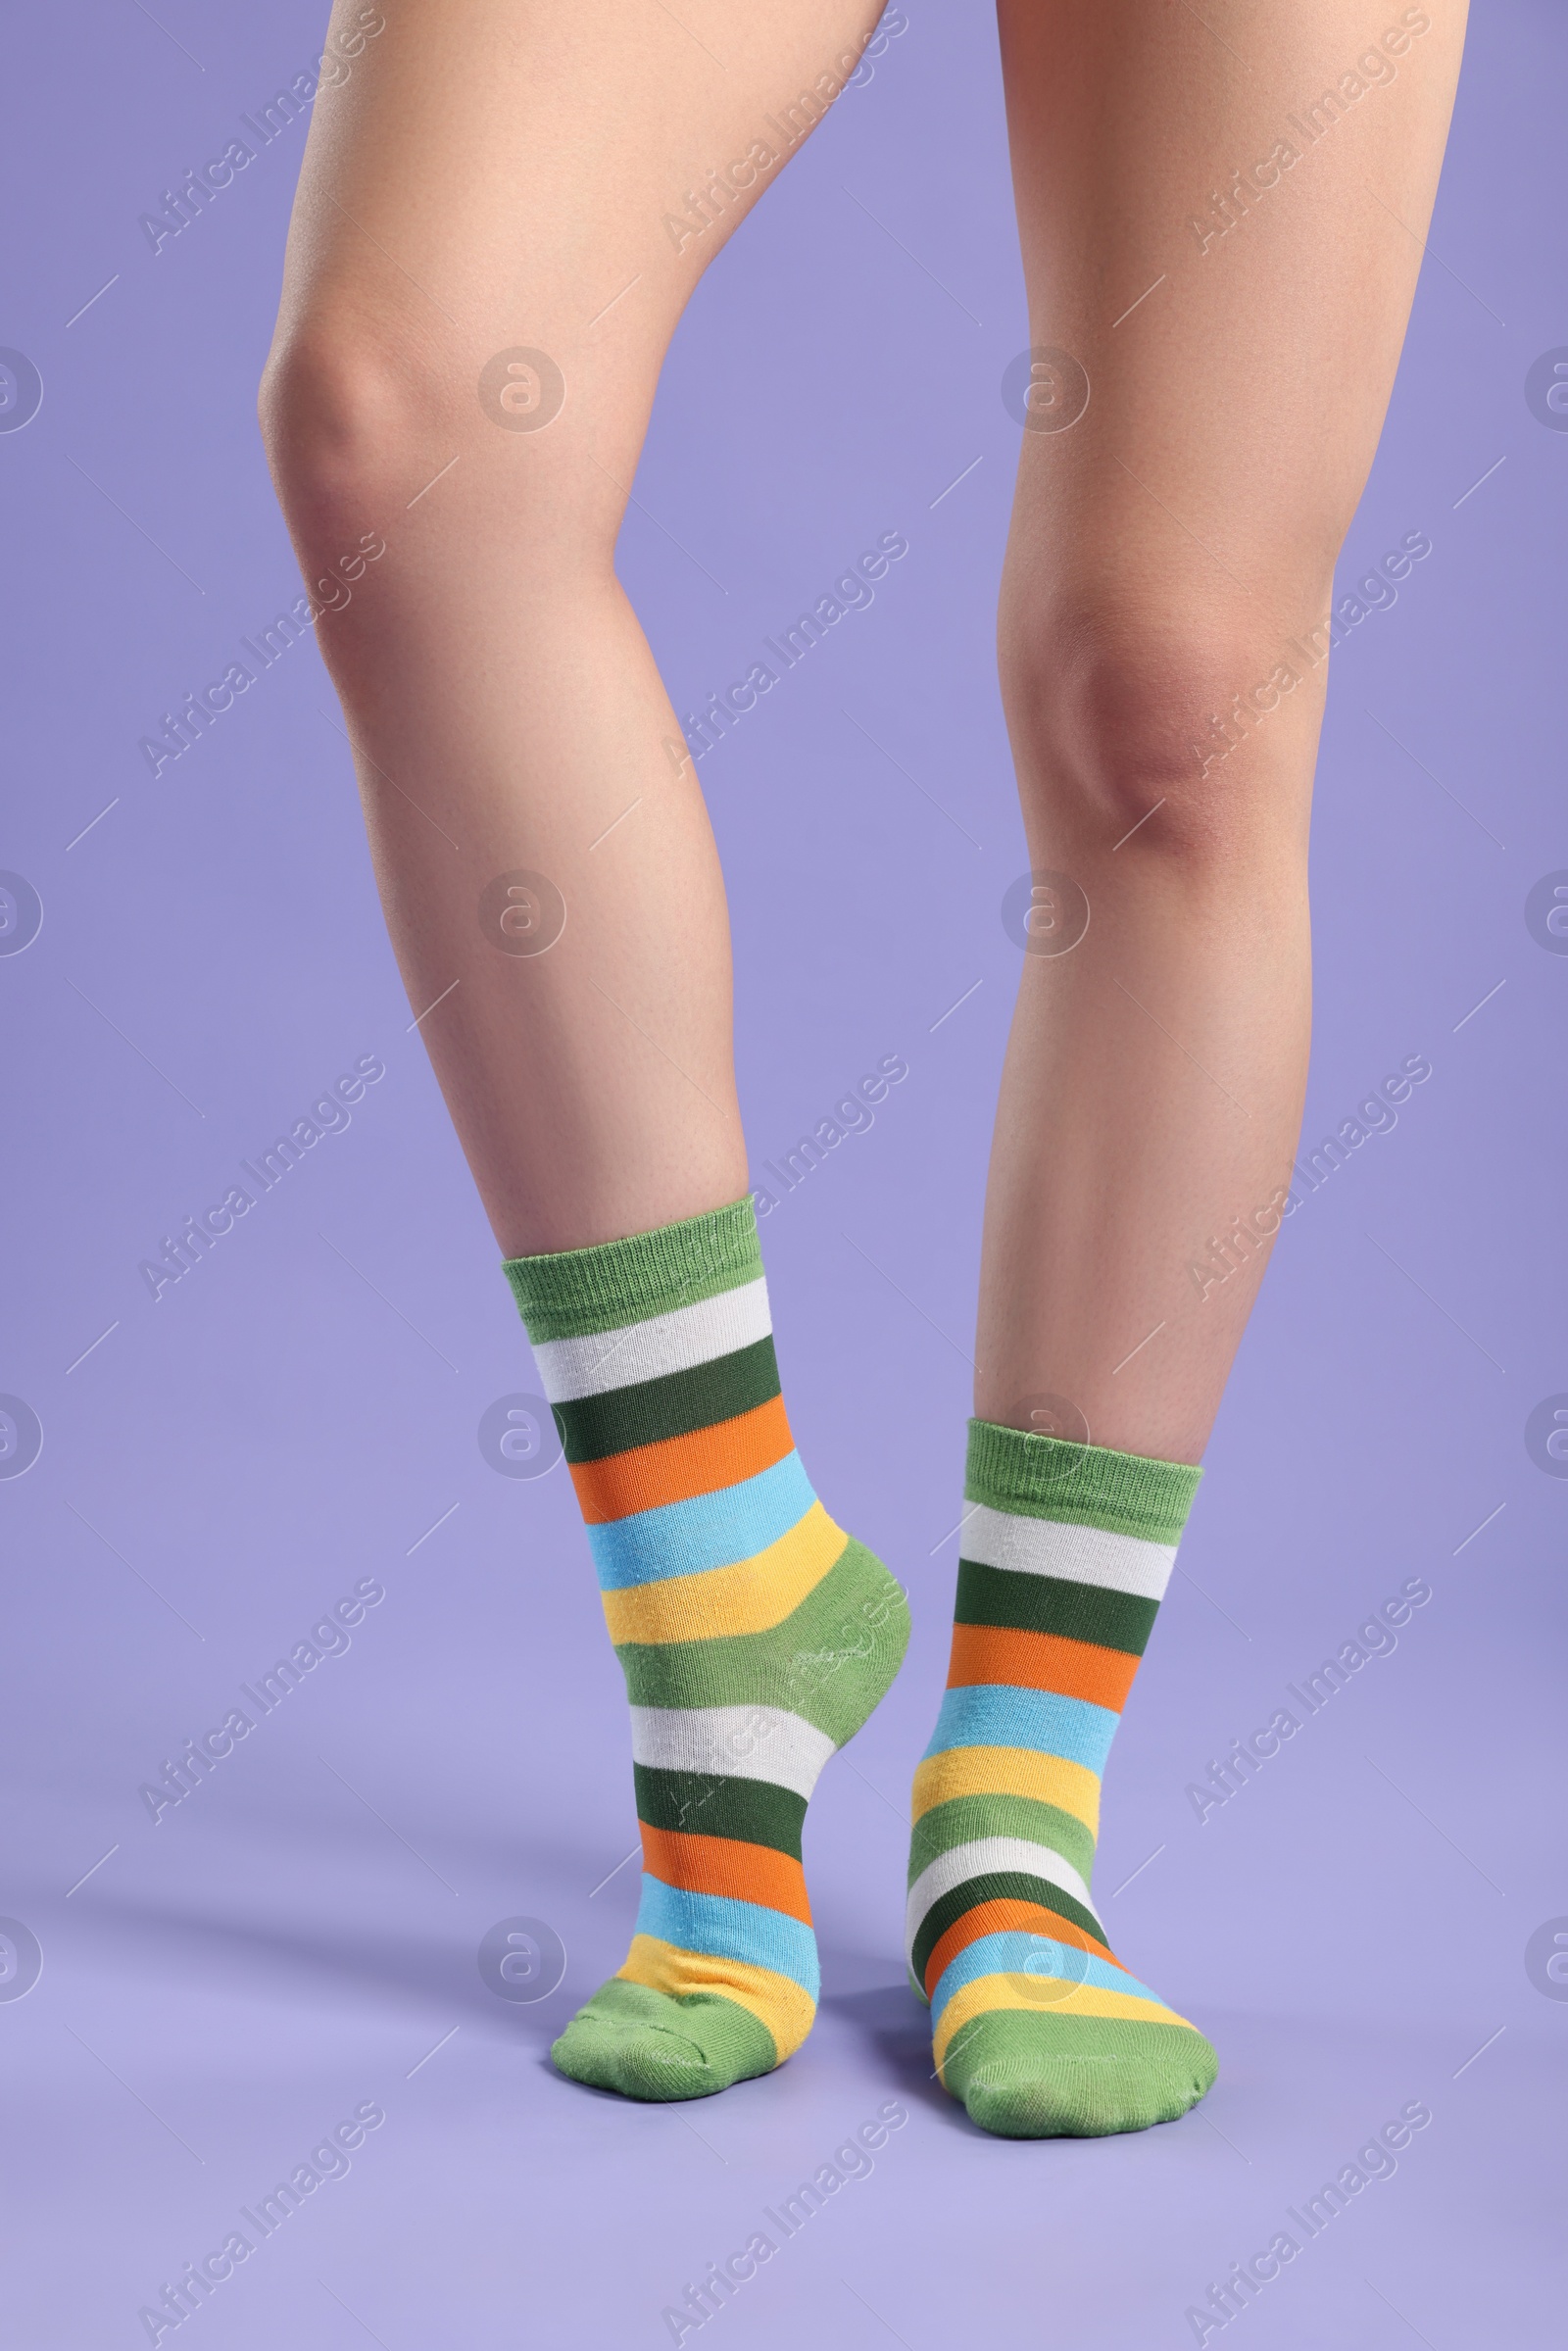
(1365, 1924)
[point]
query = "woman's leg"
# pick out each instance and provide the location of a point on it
(503, 213)
(1163, 653)
(496, 178)
(1172, 554)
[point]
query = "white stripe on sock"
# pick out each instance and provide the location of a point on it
(647, 1350)
(733, 1742)
(1046, 1547)
(983, 1859)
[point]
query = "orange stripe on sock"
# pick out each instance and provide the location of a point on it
(1074, 1669)
(723, 1865)
(678, 1468)
(1007, 1918)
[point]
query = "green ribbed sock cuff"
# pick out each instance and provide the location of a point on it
(1079, 1485)
(580, 1291)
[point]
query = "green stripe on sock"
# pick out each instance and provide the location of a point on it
(756, 1812)
(577, 1292)
(997, 1886)
(815, 1662)
(963, 1820)
(1078, 1485)
(593, 1427)
(1024, 1603)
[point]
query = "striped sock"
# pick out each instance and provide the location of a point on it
(756, 1637)
(1038, 2027)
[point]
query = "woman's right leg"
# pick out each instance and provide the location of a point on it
(502, 214)
(496, 176)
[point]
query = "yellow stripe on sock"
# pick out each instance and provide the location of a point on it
(774, 2000)
(1027, 1993)
(1009, 1772)
(750, 1596)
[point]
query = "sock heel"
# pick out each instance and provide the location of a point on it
(848, 1677)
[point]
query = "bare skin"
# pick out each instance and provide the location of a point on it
(496, 176)
(493, 176)
(1169, 553)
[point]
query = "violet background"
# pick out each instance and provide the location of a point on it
(230, 1983)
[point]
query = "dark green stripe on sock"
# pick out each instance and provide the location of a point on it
(997, 1595)
(755, 1812)
(998, 1886)
(593, 1427)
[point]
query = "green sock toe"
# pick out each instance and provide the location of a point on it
(1023, 2075)
(652, 2045)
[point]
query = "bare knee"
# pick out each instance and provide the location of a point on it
(363, 416)
(349, 413)
(1129, 714)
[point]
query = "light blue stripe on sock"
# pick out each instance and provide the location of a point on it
(1035, 1956)
(724, 1929)
(992, 1714)
(713, 1529)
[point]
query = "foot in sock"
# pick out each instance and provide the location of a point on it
(754, 1634)
(1038, 2027)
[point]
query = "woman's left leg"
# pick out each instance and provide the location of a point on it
(1191, 471)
